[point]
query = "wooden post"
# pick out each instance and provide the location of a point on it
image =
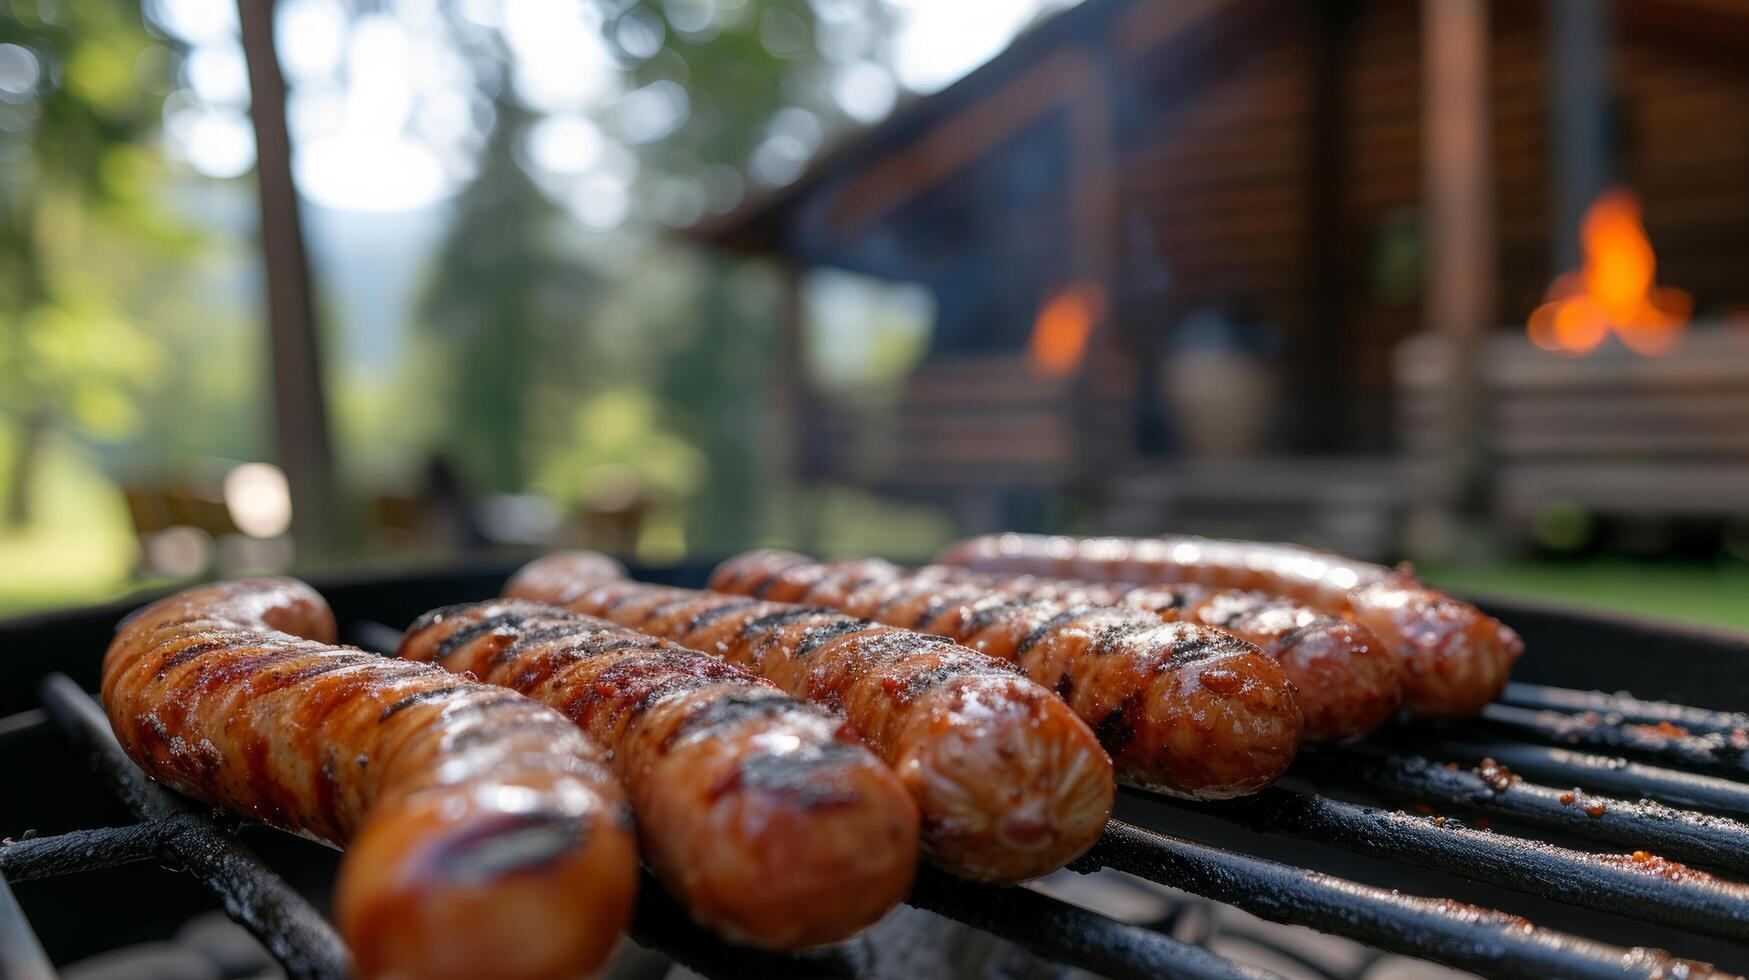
(300, 415)
(786, 448)
(1460, 230)
(1578, 118)
(1317, 365)
(1107, 375)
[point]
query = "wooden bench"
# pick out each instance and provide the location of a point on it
(1612, 432)
(961, 422)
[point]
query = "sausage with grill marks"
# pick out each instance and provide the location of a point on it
(484, 834)
(1345, 681)
(1009, 783)
(1182, 708)
(764, 814)
(1453, 658)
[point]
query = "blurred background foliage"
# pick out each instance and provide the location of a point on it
(490, 191)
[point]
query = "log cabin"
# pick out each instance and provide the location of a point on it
(1258, 265)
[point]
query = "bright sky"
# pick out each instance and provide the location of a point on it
(384, 118)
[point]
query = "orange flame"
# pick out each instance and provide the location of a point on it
(1059, 334)
(1614, 290)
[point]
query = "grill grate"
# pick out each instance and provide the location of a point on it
(252, 894)
(1466, 936)
(1623, 707)
(1699, 903)
(1612, 775)
(21, 956)
(1681, 835)
(1452, 933)
(1724, 753)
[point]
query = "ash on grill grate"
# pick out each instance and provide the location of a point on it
(1723, 753)
(1611, 775)
(1625, 707)
(1683, 835)
(1438, 929)
(1649, 889)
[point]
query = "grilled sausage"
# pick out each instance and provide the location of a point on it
(1010, 785)
(1181, 707)
(1345, 681)
(1347, 684)
(764, 814)
(1453, 657)
(484, 834)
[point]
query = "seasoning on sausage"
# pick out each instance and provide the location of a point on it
(1182, 708)
(1009, 783)
(1345, 681)
(764, 814)
(484, 834)
(1453, 657)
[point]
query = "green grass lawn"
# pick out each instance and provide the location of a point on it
(79, 547)
(1717, 595)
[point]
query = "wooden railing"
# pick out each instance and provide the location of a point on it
(1611, 431)
(985, 421)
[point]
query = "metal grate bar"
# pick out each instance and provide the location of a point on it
(662, 925)
(24, 721)
(1681, 835)
(1464, 936)
(88, 850)
(252, 894)
(1720, 753)
(21, 954)
(1625, 706)
(1603, 773)
(375, 637)
(1648, 889)
(1068, 934)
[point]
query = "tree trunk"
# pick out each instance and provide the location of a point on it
(22, 476)
(299, 411)
(1461, 270)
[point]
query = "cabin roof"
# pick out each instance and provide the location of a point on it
(756, 224)
(1717, 30)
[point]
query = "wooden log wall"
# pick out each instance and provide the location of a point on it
(1224, 181)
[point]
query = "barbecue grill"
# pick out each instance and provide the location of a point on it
(1558, 806)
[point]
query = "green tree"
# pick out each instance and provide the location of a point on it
(751, 62)
(529, 315)
(77, 93)
(504, 297)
